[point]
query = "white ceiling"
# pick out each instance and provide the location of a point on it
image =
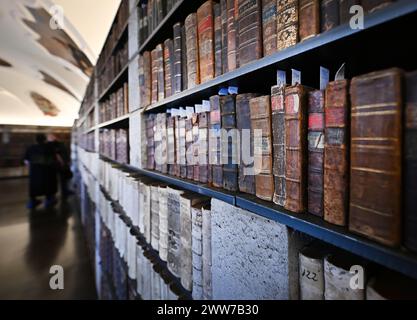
(44, 72)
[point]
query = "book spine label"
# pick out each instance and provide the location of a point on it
(311, 278)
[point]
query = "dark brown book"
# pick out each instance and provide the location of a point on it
(260, 112)
(336, 152)
(309, 19)
(231, 35)
(193, 69)
(217, 40)
(205, 27)
(177, 72)
(237, 32)
(229, 143)
(296, 148)
(150, 143)
(154, 57)
(196, 168)
(171, 145)
(188, 148)
(287, 24)
(246, 177)
(125, 98)
(329, 15)
(203, 146)
(269, 26)
(168, 55)
(184, 54)
(215, 143)
(145, 79)
(278, 140)
(160, 74)
(223, 16)
(344, 10)
(410, 162)
(250, 31)
(315, 152)
(373, 5)
(375, 189)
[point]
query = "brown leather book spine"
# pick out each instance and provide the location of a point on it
(287, 24)
(145, 79)
(315, 152)
(278, 139)
(344, 8)
(373, 5)
(223, 15)
(125, 98)
(260, 111)
(215, 143)
(184, 57)
(246, 178)
(188, 148)
(410, 162)
(329, 14)
(178, 157)
(269, 26)
(250, 31)
(376, 156)
(193, 69)
(177, 46)
(203, 146)
(154, 55)
(231, 35)
(196, 169)
(168, 51)
(336, 152)
(205, 28)
(296, 148)
(171, 145)
(161, 75)
(217, 40)
(309, 19)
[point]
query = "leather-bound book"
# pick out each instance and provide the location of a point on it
(203, 146)
(287, 24)
(189, 148)
(376, 159)
(215, 142)
(410, 162)
(344, 10)
(373, 5)
(154, 75)
(223, 13)
(217, 40)
(309, 18)
(315, 152)
(236, 12)
(246, 178)
(260, 113)
(296, 148)
(329, 15)
(168, 72)
(125, 98)
(231, 35)
(250, 31)
(150, 123)
(278, 140)
(155, 217)
(269, 26)
(184, 55)
(171, 159)
(174, 230)
(177, 58)
(178, 157)
(182, 131)
(336, 152)
(145, 79)
(193, 69)
(160, 74)
(205, 27)
(229, 143)
(157, 138)
(164, 142)
(195, 154)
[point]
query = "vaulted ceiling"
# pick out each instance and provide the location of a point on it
(45, 64)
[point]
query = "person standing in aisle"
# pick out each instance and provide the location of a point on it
(63, 164)
(42, 172)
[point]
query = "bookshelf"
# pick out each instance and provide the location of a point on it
(362, 50)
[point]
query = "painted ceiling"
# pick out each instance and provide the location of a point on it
(45, 64)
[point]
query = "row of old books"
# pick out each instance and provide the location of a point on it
(151, 14)
(221, 37)
(114, 144)
(335, 153)
(119, 23)
(116, 105)
(327, 273)
(86, 141)
(115, 64)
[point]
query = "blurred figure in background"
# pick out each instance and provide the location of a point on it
(41, 159)
(63, 164)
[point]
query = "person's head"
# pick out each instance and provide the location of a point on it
(51, 137)
(40, 138)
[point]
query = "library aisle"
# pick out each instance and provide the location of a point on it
(30, 243)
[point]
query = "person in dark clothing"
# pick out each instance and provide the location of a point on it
(63, 164)
(42, 172)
